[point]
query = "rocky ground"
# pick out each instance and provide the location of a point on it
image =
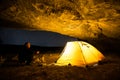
(109, 70)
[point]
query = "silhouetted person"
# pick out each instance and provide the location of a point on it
(26, 54)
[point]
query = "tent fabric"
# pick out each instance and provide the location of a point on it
(79, 53)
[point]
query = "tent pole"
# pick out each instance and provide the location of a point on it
(82, 53)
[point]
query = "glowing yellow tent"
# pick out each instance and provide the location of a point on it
(79, 53)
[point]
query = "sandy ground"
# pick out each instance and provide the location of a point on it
(108, 70)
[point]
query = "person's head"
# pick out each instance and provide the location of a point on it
(27, 45)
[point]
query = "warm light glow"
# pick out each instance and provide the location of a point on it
(79, 53)
(71, 55)
(91, 54)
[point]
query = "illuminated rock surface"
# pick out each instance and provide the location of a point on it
(84, 19)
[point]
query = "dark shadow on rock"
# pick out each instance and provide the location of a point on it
(1, 41)
(13, 24)
(107, 45)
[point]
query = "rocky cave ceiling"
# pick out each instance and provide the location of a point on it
(84, 19)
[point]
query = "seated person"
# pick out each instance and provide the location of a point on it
(26, 54)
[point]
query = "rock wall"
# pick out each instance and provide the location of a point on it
(84, 19)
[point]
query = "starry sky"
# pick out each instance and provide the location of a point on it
(38, 38)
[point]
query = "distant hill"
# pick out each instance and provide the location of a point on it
(15, 49)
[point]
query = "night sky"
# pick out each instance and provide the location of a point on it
(38, 38)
